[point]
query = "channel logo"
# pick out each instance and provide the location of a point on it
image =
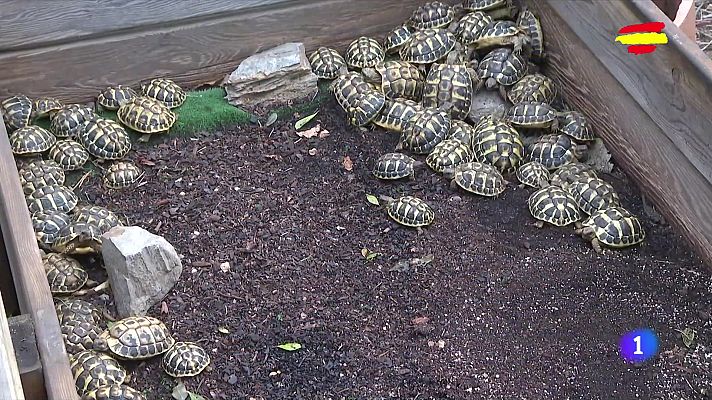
(642, 38)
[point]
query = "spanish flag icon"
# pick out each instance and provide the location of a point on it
(642, 38)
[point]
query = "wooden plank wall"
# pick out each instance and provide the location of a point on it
(71, 49)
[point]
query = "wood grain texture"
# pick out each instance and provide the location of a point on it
(652, 111)
(30, 280)
(194, 53)
(10, 384)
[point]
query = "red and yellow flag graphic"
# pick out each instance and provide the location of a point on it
(642, 38)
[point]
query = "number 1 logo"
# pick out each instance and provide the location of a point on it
(638, 345)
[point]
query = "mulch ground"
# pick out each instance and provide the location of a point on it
(504, 310)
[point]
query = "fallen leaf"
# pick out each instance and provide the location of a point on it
(324, 133)
(290, 346)
(688, 337)
(271, 118)
(146, 162)
(310, 133)
(180, 392)
(225, 267)
(364, 252)
(223, 330)
(420, 320)
(195, 396)
(348, 164)
(312, 152)
(164, 307)
(299, 124)
(369, 255)
(373, 199)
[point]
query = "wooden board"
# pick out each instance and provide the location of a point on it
(30, 280)
(652, 111)
(192, 52)
(10, 385)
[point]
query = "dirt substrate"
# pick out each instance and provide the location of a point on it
(504, 310)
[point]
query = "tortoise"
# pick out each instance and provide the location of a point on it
(17, 111)
(364, 52)
(530, 23)
(478, 178)
(396, 38)
(77, 310)
(532, 115)
(92, 370)
(424, 131)
(397, 79)
(433, 14)
(105, 139)
(484, 5)
(69, 154)
(40, 173)
(575, 124)
(114, 97)
(52, 197)
(327, 63)
(121, 174)
(553, 205)
(501, 33)
(31, 140)
(65, 275)
(68, 121)
(450, 84)
(614, 227)
(396, 113)
(164, 90)
(185, 359)
(553, 151)
(469, 28)
(500, 68)
(114, 392)
(79, 335)
(409, 211)
(593, 194)
(46, 107)
(427, 46)
(534, 87)
(448, 154)
(78, 238)
(146, 115)
(355, 96)
(395, 166)
(462, 131)
(570, 172)
(47, 225)
(497, 143)
(533, 174)
(135, 338)
(103, 218)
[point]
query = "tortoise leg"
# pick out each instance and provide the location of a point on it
(503, 92)
(596, 246)
(539, 224)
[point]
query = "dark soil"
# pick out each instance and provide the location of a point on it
(504, 310)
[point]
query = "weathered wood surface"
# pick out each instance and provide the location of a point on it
(193, 51)
(29, 277)
(10, 384)
(652, 111)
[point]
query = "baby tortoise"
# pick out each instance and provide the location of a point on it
(433, 14)
(409, 211)
(78, 238)
(40, 173)
(502, 33)
(357, 98)
(532, 115)
(69, 154)
(79, 335)
(534, 87)
(554, 151)
(103, 218)
(185, 359)
(575, 125)
(497, 143)
(327, 63)
(68, 121)
(500, 68)
(427, 46)
(146, 115)
(462, 131)
(52, 197)
(593, 194)
(396, 166)
(135, 338)
(478, 178)
(364, 52)
(396, 114)
(114, 392)
(397, 79)
(47, 225)
(614, 227)
(92, 370)
(105, 139)
(424, 131)
(114, 97)
(164, 90)
(469, 27)
(78, 310)
(450, 84)
(570, 172)
(553, 205)
(31, 140)
(121, 174)
(448, 154)
(533, 174)
(46, 107)
(64, 274)
(530, 23)
(396, 38)
(17, 111)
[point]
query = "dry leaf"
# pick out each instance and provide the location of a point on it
(420, 320)
(324, 133)
(225, 267)
(164, 307)
(312, 152)
(310, 133)
(348, 164)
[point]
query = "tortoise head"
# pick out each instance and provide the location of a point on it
(371, 75)
(100, 344)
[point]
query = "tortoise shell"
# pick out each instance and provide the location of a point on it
(77, 310)
(17, 111)
(185, 359)
(31, 140)
(64, 274)
(396, 38)
(502, 67)
(530, 23)
(483, 5)
(570, 172)
(529, 114)
(79, 335)
(498, 144)
(410, 211)
(114, 97)
(427, 46)
(397, 79)
(575, 124)
(424, 131)
(613, 227)
(396, 114)
(478, 178)
(136, 338)
(395, 166)
(364, 52)
(52, 197)
(70, 155)
(448, 154)
(164, 90)
(433, 14)
(47, 225)
(121, 174)
(146, 115)
(46, 107)
(533, 88)
(40, 173)
(355, 96)
(326, 63)
(500, 33)
(471, 26)
(92, 370)
(114, 392)
(68, 121)
(103, 218)
(533, 174)
(105, 139)
(593, 194)
(78, 238)
(462, 131)
(447, 83)
(553, 205)
(554, 151)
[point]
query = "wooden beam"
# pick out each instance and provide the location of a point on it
(10, 384)
(652, 111)
(29, 277)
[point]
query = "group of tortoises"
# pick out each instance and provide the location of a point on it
(422, 81)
